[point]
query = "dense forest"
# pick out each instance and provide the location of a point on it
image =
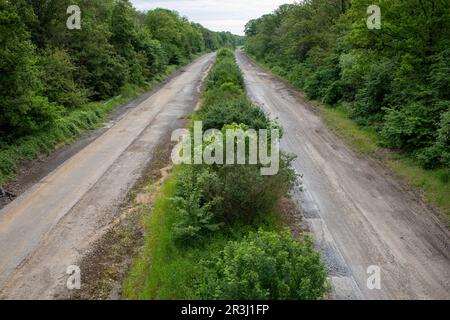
(51, 75)
(395, 80)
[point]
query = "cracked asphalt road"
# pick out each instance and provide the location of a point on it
(52, 224)
(359, 213)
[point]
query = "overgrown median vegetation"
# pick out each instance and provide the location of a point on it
(215, 231)
(393, 82)
(56, 83)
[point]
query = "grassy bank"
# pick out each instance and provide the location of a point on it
(67, 128)
(216, 232)
(433, 184)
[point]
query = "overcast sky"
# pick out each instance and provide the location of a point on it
(223, 15)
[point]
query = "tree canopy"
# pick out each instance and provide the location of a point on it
(48, 70)
(395, 79)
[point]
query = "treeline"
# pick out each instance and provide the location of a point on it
(50, 75)
(395, 79)
(216, 232)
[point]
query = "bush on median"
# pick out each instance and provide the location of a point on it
(264, 265)
(213, 204)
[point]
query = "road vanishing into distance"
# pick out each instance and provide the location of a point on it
(359, 214)
(51, 225)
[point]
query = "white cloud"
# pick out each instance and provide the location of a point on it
(224, 15)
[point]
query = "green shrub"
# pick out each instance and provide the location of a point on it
(195, 212)
(208, 197)
(412, 126)
(247, 194)
(430, 158)
(217, 115)
(297, 75)
(225, 70)
(265, 265)
(333, 93)
(224, 53)
(58, 79)
(375, 93)
(228, 92)
(29, 148)
(8, 164)
(317, 83)
(438, 155)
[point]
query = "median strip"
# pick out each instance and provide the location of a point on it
(217, 230)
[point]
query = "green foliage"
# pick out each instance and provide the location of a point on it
(22, 109)
(225, 71)
(195, 211)
(208, 206)
(246, 194)
(215, 116)
(59, 80)
(412, 126)
(395, 79)
(210, 196)
(50, 73)
(438, 155)
(8, 164)
(181, 39)
(155, 55)
(265, 265)
(100, 68)
(224, 99)
(318, 84)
